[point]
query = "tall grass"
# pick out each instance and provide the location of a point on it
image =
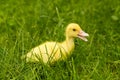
(25, 24)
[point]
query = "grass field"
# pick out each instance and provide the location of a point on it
(25, 24)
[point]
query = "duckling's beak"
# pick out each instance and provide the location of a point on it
(82, 35)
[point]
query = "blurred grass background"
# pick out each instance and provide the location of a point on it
(25, 24)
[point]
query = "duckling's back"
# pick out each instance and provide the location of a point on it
(47, 52)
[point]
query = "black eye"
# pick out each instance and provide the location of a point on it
(74, 29)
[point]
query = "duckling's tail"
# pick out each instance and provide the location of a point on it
(23, 56)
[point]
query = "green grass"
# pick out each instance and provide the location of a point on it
(25, 24)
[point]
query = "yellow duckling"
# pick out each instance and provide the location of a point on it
(53, 51)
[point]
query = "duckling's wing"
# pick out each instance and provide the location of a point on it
(48, 51)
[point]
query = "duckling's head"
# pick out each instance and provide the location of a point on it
(73, 30)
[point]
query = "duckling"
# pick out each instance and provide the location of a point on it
(54, 51)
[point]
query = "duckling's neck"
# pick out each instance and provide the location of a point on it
(69, 44)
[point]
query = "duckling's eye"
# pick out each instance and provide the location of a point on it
(74, 29)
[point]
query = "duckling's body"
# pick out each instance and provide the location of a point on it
(53, 51)
(50, 51)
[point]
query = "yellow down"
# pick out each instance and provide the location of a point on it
(53, 51)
